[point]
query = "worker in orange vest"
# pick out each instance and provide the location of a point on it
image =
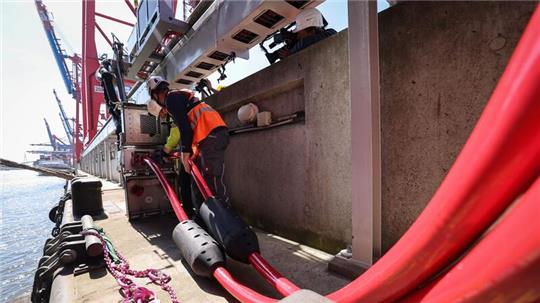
(202, 129)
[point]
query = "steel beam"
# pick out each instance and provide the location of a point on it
(365, 131)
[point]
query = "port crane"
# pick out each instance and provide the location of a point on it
(65, 120)
(70, 76)
(80, 79)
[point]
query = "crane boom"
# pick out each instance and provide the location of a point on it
(65, 119)
(54, 42)
(51, 136)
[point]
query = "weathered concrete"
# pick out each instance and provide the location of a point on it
(147, 243)
(295, 180)
(440, 61)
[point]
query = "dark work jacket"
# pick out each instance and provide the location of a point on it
(310, 40)
(178, 106)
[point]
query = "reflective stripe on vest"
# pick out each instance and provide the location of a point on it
(203, 119)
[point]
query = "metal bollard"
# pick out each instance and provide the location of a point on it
(93, 245)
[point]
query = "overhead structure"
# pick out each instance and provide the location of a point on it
(56, 143)
(219, 32)
(91, 92)
(60, 54)
(79, 79)
(156, 31)
(65, 120)
(70, 76)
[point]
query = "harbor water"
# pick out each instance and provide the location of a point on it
(26, 199)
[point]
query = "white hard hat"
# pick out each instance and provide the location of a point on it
(248, 113)
(153, 108)
(153, 82)
(307, 18)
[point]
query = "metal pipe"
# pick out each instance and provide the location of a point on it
(93, 244)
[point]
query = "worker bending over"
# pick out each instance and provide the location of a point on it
(203, 132)
(163, 154)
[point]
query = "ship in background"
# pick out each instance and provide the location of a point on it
(61, 155)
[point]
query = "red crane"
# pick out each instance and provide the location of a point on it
(80, 79)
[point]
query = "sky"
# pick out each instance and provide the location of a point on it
(28, 71)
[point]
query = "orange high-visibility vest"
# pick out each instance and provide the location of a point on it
(203, 120)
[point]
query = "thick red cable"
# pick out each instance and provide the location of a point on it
(280, 283)
(201, 184)
(503, 267)
(271, 275)
(499, 161)
(237, 290)
(171, 194)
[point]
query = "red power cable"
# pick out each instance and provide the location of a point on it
(171, 194)
(491, 272)
(270, 274)
(239, 291)
(499, 161)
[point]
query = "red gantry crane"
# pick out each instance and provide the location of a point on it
(80, 80)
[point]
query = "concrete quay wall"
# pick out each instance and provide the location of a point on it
(439, 63)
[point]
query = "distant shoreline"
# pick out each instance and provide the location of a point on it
(2, 167)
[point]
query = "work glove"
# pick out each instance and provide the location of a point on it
(160, 157)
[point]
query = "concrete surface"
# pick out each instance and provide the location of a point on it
(147, 243)
(295, 180)
(440, 61)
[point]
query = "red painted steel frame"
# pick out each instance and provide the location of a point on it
(131, 7)
(103, 34)
(92, 97)
(503, 267)
(114, 19)
(499, 161)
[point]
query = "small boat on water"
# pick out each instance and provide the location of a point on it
(53, 164)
